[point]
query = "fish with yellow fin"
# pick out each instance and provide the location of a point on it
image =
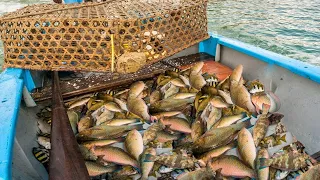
(291, 161)
(272, 140)
(173, 161)
(206, 157)
(261, 126)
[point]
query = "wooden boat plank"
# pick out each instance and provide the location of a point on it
(100, 81)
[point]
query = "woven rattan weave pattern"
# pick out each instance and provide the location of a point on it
(75, 37)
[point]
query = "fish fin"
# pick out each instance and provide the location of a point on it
(265, 108)
(263, 163)
(283, 138)
(149, 158)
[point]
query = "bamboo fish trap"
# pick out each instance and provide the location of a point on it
(93, 35)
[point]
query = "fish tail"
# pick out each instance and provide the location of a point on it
(283, 138)
(149, 158)
(265, 108)
(263, 163)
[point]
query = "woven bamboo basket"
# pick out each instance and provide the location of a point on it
(93, 35)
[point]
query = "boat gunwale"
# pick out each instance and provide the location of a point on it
(303, 69)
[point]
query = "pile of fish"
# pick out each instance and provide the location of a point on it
(184, 124)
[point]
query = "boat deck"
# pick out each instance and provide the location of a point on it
(73, 84)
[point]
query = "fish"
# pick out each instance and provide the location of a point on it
(125, 172)
(151, 133)
(183, 95)
(311, 174)
(263, 174)
(197, 129)
(105, 132)
(172, 73)
(272, 140)
(197, 81)
(202, 102)
(104, 117)
(228, 120)
(210, 115)
(171, 104)
(80, 102)
(199, 174)
(197, 68)
(163, 137)
(44, 141)
(120, 122)
(217, 137)
(209, 89)
(231, 166)
(111, 106)
(291, 161)
(87, 153)
(170, 91)
(138, 106)
(44, 127)
(275, 118)
(136, 89)
(155, 96)
(134, 144)
(95, 106)
(121, 104)
(166, 114)
(91, 144)
(226, 96)
(177, 82)
(95, 169)
(269, 98)
(146, 167)
(41, 154)
(260, 128)
(206, 157)
(185, 80)
(239, 93)
(85, 123)
(218, 102)
(246, 147)
(173, 161)
(115, 155)
(224, 85)
(177, 124)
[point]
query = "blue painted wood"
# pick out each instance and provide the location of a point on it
(10, 99)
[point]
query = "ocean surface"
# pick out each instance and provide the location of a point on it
(287, 27)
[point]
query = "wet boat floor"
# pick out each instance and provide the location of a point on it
(77, 83)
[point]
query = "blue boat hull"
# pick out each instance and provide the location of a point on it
(296, 83)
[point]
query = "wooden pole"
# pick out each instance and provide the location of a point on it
(66, 161)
